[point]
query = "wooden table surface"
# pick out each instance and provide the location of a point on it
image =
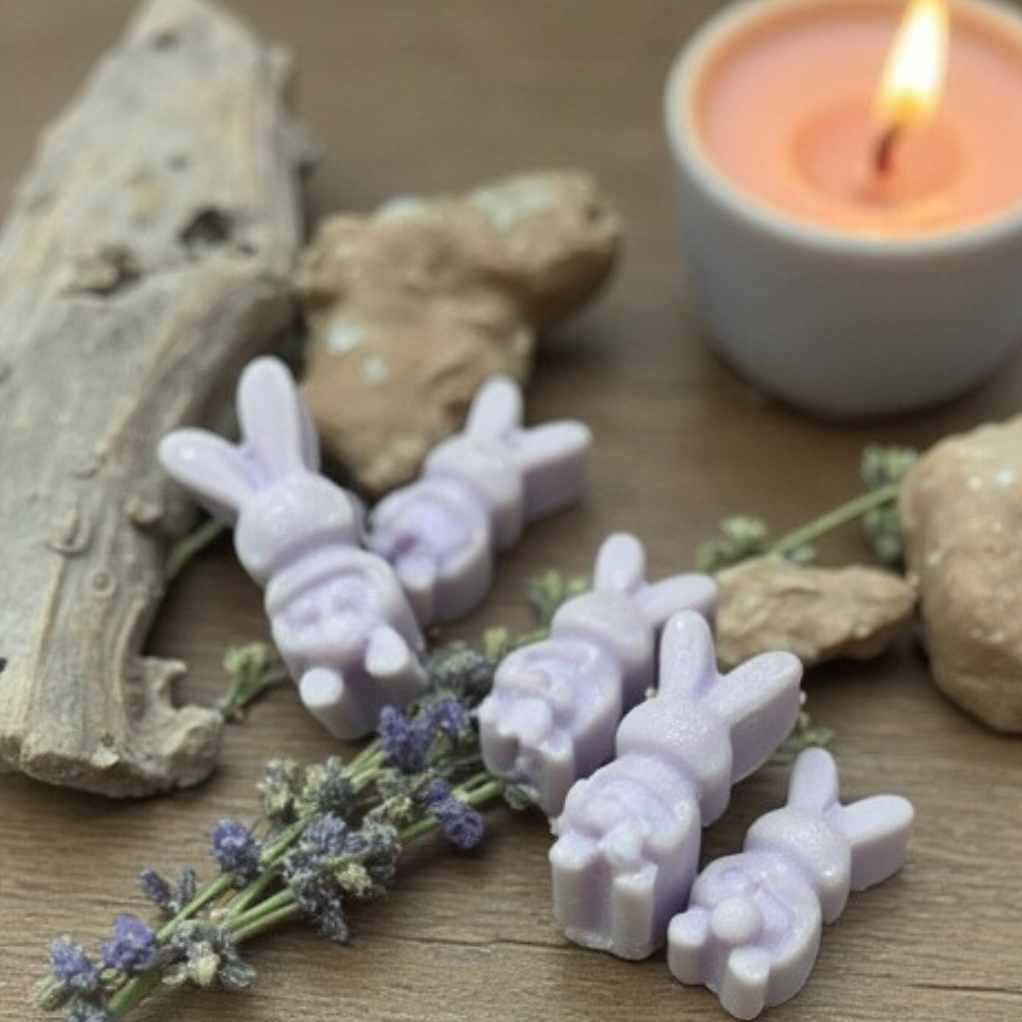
(415, 95)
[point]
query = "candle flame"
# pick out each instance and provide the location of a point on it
(913, 79)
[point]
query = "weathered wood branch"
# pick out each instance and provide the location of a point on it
(146, 257)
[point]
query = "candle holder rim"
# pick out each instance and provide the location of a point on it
(687, 146)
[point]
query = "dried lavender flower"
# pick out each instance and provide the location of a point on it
(186, 888)
(71, 966)
(379, 850)
(326, 837)
(204, 953)
(236, 850)
(318, 898)
(82, 1011)
(521, 796)
(462, 672)
(252, 670)
(451, 716)
(327, 789)
(157, 890)
(406, 742)
(741, 537)
(883, 468)
(132, 946)
(460, 823)
(280, 788)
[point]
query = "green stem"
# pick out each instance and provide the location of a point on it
(209, 893)
(190, 545)
(287, 838)
(135, 992)
(476, 791)
(281, 915)
(251, 893)
(264, 908)
(241, 695)
(371, 755)
(839, 516)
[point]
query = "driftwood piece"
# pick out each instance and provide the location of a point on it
(146, 256)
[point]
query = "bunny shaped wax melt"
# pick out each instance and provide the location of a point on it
(752, 929)
(556, 704)
(476, 492)
(340, 618)
(629, 838)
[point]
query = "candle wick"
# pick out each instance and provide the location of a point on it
(883, 154)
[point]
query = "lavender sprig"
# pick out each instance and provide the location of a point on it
(329, 834)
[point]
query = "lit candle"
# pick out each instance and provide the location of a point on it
(850, 177)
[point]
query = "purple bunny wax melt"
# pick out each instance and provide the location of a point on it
(476, 492)
(752, 929)
(340, 618)
(629, 838)
(555, 705)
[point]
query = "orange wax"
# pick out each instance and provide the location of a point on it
(783, 109)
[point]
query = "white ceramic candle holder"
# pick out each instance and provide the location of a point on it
(841, 324)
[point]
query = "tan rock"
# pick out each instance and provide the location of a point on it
(818, 614)
(961, 508)
(411, 309)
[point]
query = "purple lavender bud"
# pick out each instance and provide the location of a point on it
(80, 1011)
(236, 850)
(132, 946)
(156, 889)
(461, 824)
(435, 792)
(187, 885)
(71, 966)
(320, 902)
(405, 742)
(450, 716)
(326, 836)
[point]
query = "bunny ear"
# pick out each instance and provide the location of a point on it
(683, 592)
(688, 663)
(210, 469)
(553, 460)
(496, 410)
(814, 782)
(878, 829)
(620, 564)
(760, 702)
(273, 420)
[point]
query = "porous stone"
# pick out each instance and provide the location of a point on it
(961, 509)
(410, 309)
(818, 614)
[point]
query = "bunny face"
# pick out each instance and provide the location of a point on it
(626, 855)
(282, 523)
(436, 533)
(751, 933)
(550, 718)
(326, 607)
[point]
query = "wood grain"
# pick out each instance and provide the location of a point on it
(437, 96)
